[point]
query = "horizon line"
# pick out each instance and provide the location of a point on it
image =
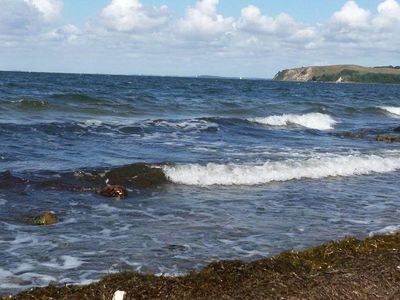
(200, 76)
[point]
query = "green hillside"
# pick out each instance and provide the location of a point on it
(341, 73)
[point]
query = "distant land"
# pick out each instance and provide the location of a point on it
(342, 74)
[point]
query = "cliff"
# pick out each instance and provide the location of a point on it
(341, 73)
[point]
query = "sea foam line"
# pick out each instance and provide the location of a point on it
(311, 120)
(312, 168)
(391, 109)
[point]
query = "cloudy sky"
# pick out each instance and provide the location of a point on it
(188, 37)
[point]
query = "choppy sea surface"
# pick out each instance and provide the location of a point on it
(251, 168)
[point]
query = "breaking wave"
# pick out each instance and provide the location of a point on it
(141, 175)
(391, 109)
(387, 230)
(313, 168)
(317, 121)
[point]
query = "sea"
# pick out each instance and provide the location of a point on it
(216, 169)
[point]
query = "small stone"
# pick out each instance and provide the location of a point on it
(114, 191)
(119, 295)
(46, 218)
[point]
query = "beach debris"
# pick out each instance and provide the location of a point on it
(46, 218)
(114, 191)
(388, 139)
(119, 295)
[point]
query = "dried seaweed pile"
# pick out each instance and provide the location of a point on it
(347, 269)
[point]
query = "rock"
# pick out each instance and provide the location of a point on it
(46, 218)
(7, 180)
(388, 139)
(114, 191)
(137, 175)
(353, 135)
(397, 129)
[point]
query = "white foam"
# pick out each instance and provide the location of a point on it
(311, 120)
(315, 167)
(187, 125)
(68, 262)
(91, 122)
(387, 230)
(2, 201)
(9, 280)
(391, 109)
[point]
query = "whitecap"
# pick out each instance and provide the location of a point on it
(292, 169)
(311, 120)
(91, 122)
(391, 109)
(187, 125)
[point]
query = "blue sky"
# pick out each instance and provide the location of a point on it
(189, 37)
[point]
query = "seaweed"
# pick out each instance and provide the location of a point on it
(346, 269)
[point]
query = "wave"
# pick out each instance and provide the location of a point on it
(384, 231)
(317, 121)
(115, 126)
(79, 97)
(141, 175)
(391, 109)
(31, 104)
(186, 125)
(312, 168)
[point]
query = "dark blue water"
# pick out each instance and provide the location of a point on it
(249, 167)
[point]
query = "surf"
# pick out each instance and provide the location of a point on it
(316, 121)
(280, 171)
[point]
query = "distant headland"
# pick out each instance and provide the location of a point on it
(342, 74)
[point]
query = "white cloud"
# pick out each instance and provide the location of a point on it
(131, 15)
(27, 16)
(355, 27)
(203, 21)
(388, 13)
(68, 33)
(49, 9)
(203, 37)
(252, 20)
(351, 15)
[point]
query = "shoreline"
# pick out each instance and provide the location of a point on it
(345, 269)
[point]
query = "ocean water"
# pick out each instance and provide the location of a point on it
(233, 169)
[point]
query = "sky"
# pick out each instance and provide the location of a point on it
(188, 37)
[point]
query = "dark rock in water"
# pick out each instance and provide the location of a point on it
(138, 175)
(397, 129)
(114, 191)
(7, 180)
(46, 218)
(388, 139)
(353, 135)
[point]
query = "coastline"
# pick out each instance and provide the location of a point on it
(341, 74)
(345, 269)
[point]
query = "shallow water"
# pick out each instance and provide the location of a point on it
(253, 167)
